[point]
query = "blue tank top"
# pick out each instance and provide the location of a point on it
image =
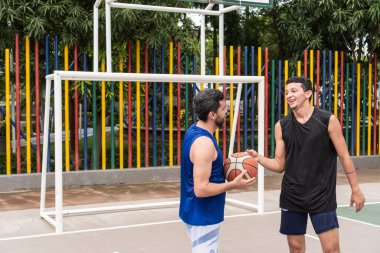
(193, 210)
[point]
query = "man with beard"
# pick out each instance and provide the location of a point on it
(203, 187)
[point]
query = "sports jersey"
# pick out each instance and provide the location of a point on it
(309, 182)
(194, 210)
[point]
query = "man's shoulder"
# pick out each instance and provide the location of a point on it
(323, 112)
(323, 115)
(203, 142)
(285, 120)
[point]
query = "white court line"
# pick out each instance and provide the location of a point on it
(369, 203)
(89, 230)
(312, 237)
(344, 218)
(120, 227)
(358, 221)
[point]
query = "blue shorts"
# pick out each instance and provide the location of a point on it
(294, 223)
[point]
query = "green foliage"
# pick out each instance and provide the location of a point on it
(291, 26)
(350, 26)
(14, 162)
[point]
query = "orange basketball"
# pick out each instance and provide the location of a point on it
(237, 163)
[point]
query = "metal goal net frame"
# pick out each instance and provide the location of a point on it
(60, 76)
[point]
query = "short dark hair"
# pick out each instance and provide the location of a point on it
(207, 101)
(304, 81)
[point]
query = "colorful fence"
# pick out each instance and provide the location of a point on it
(155, 115)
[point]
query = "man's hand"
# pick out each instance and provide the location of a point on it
(357, 197)
(253, 153)
(240, 182)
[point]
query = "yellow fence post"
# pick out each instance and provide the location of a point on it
(104, 139)
(369, 108)
(27, 101)
(67, 109)
(138, 104)
(7, 114)
(286, 77)
(231, 87)
(171, 105)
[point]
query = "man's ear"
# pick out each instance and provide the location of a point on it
(309, 94)
(212, 115)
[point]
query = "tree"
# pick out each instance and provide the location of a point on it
(351, 26)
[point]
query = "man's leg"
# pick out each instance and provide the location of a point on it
(293, 225)
(204, 239)
(330, 241)
(326, 226)
(296, 243)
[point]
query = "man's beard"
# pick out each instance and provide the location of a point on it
(219, 122)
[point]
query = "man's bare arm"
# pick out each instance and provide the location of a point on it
(277, 164)
(337, 138)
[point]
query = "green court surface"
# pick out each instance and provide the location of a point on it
(369, 214)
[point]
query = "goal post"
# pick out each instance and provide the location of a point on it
(59, 211)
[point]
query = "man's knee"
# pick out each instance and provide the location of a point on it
(331, 249)
(331, 246)
(296, 244)
(296, 248)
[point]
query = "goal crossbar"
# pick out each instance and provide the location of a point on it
(136, 77)
(59, 76)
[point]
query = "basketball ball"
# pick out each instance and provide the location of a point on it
(236, 163)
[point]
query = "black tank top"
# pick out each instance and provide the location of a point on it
(309, 182)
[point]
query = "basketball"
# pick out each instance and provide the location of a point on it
(236, 163)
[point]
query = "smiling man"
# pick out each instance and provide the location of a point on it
(308, 142)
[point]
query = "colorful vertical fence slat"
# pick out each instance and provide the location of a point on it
(85, 123)
(138, 105)
(18, 103)
(8, 112)
(37, 104)
(76, 112)
(27, 101)
(146, 119)
(178, 105)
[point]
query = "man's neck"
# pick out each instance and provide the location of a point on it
(206, 126)
(304, 113)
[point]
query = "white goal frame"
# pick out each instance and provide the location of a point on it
(55, 216)
(58, 76)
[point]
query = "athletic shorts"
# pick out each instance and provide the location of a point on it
(204, 239)
(294, 223)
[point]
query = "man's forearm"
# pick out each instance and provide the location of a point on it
(349, 169)
(270, 164)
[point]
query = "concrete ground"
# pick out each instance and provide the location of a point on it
(159, 230)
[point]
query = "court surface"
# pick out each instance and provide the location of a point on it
(159, 230)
